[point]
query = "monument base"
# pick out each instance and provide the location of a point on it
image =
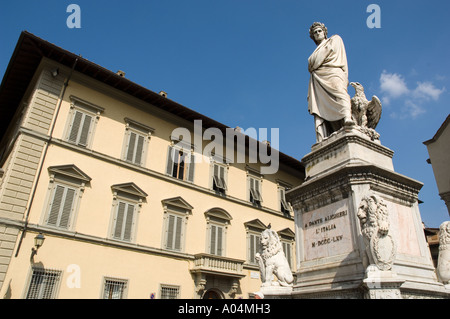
(382, 284)
(276, 292)
(334, 257)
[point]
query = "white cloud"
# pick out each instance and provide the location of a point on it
(427, 90)
(393, 84)
(413, 109)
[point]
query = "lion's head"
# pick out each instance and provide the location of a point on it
(270, 243)
(373, 215)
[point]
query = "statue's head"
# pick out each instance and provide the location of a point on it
(317, 25)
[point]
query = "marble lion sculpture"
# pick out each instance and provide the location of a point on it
(380, 246)
(272, 261)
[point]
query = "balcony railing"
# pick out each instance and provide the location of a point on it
(220, 265)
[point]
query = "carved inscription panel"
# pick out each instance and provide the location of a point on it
(327, 231)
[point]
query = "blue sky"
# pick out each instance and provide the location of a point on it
(244, 63)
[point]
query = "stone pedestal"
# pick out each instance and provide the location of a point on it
(332, 255)
(274, 292)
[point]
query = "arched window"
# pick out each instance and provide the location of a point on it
(217, 222)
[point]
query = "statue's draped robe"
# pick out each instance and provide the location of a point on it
(328, 98)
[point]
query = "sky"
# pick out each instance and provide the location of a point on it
(244, 62)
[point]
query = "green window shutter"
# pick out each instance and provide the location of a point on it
(55, 206)
(174, 232)
(178, 233)
(219, 251)
(219, 177)
(213, 240)
(216, 240)
(139, 150)
(254, 247)
(76, 123)
(85, 130)
(222, 171)
(170, 232)
(258, 190)
(67, 208)
(191, 168)
(128, 227)
(124, 221)
(61, 207)
(287, 252)
(131, 146)
(80, 128)
(170, 160)
(119, 220)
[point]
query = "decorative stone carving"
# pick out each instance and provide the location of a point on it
(443, 267)
(380, 246)
(366, 114)
(272, 261)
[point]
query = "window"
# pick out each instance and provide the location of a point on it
(176, 212)
(61, 206)
(169, 291)
(83, 117)
(114, 288)
(217, 221)
(216, 239)
(219, 178)
(136, 142)
(254, 247)
(253, 229)
(174, 231)
(124, 220)
(66, 187)
(127, 201)
(287, 249)
(180, 163)
(287, 238)
(284, 206)
(255, 191)
(44, 283)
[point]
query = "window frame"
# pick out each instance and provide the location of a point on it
(180, 210)
(217, 218)
(254, 194)
(189, 165)
(219, 184)
(41, 290)
(140, 131)
(67, 177)
(84, 108)
(128, 194)
(166, 286)
(253, 228)
(124, 292)
(287, 238)
(286, 210)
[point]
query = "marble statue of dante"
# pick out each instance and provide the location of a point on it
(328, 99)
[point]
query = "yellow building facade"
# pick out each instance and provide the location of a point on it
(128, 207)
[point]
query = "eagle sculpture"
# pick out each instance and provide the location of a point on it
(365, 113)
